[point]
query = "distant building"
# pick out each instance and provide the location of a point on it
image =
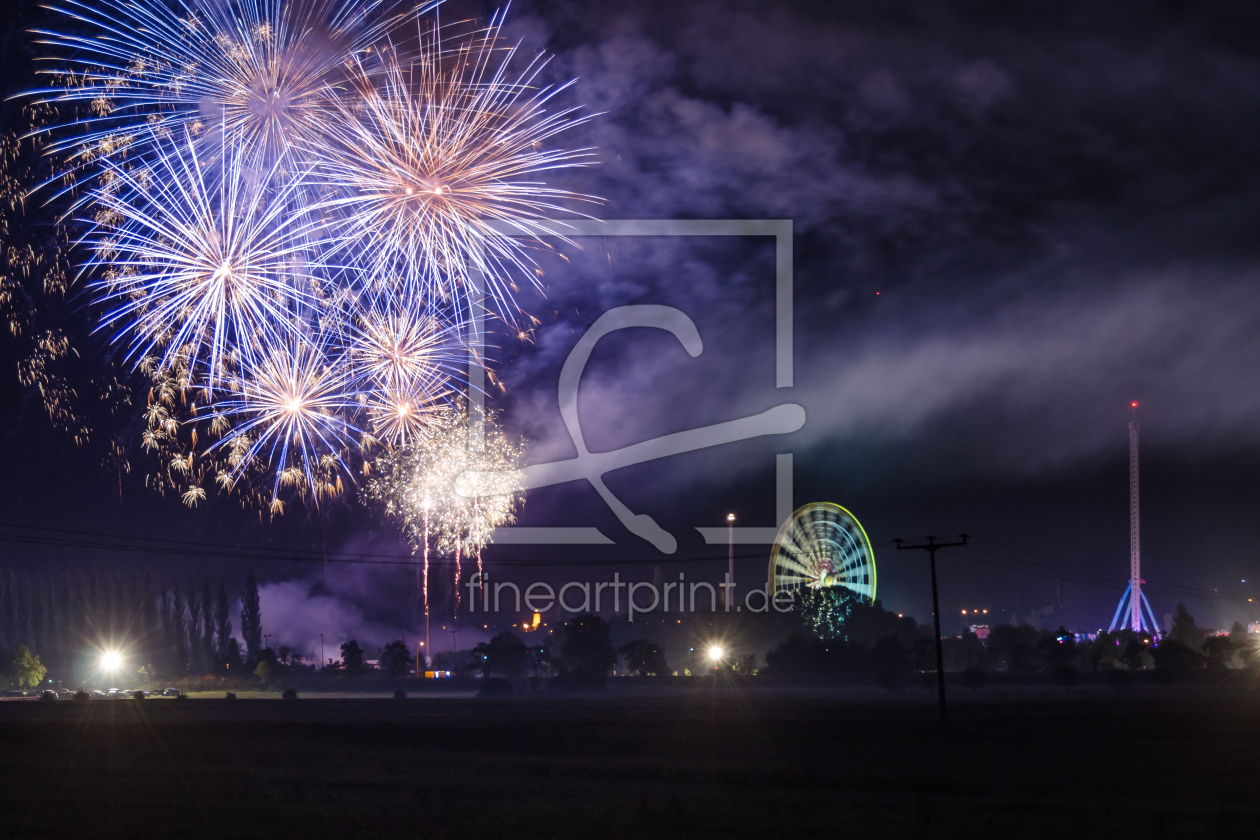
(980, 630)
(1253, 627)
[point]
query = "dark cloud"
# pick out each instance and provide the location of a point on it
(1055, 201)
(1056, 208)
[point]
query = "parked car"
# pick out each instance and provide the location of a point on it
(48, 696)
(170, 692)
(97, 694)
(12, 693)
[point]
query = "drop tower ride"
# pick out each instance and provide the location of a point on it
(1133, 598)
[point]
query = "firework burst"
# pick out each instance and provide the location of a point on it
(266, 68)
(295, 408)
(286, 215)
(197, 264)
(435, 157)
(402, 361)
(452, 487)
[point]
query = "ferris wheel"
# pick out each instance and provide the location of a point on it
(822, 545)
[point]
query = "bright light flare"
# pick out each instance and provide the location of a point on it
(716, 653)
(111, 661)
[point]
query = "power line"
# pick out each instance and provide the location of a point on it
(105, 541)
(259, 553)
(1162, 588)
(1166, 589)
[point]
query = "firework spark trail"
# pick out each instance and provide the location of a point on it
(440, 486)
(426, 505)
(267, 64)
(433, 150)
(198, 263)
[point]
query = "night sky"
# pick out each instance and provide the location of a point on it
(1009, 224)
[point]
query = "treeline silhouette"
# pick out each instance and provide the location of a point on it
(169, 630)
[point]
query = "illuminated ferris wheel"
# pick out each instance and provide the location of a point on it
(822, 545)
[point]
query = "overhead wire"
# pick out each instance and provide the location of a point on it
(105, 541)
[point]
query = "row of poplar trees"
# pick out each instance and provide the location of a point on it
(169, 631)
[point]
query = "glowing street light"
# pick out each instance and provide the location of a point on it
(716, 654)
(730, 560)
(111, 661)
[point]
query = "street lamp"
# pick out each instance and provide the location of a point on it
(111, 661)
(716, 654)
(730, 560)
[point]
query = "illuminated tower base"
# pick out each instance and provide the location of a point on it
(1146, 619)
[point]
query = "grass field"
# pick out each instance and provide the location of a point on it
(707, 763)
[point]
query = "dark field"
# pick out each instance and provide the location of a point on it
(1093, 763)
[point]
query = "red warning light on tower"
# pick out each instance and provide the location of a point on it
(1133, 404)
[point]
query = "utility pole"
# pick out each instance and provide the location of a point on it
(931, 547)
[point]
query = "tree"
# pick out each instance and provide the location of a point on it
(803, 655)
(179, 638)
(396, 659)
(540, 660)
(269, 672)
(1218, 651)
(251, 615)
(352, 659)
(586, 646)
(207, 634)
(505, 655)
(22, 667)
(825, 610)
(149, 612)
(1135, 650)
(1173, 658)
(222, 622)
(1184, 630)
(1017, 648)
(1059, 649)
(196, 624)
(647, 659)
(230, 656)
